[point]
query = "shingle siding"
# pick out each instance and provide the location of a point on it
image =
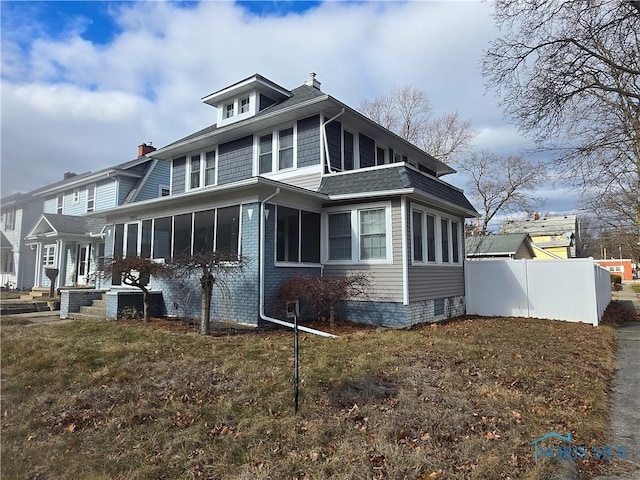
(235, 160)
(179, 172)
(309, 141)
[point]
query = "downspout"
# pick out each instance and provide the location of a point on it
(405, 255)
(261, 279)
(326, 142)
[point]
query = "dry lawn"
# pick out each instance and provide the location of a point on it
(116, 400)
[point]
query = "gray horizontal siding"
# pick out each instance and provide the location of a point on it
(308, 151)
(310, 181)
(428, 282)
(235, 160)
(385, 279)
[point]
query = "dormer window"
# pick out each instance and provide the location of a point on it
(244, 105)
(228, 110)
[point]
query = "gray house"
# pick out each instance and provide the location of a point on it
(300, 183)
(64, 238)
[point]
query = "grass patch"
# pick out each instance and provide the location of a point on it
(461, 400)
(636, 287)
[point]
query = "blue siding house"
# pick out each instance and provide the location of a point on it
(300, 183)
(64, 238)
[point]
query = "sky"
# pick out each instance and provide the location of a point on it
(84, 83)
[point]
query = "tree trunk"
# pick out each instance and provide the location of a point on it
(145, 302)
(332, 315)
(206, 282)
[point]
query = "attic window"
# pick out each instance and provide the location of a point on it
(228, 110)
(244, 105)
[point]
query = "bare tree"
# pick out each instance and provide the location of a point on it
(569, 72)
(408, 113)
(501, 184)
(211, 268)
(136, 272)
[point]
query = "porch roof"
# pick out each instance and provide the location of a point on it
(5, 244)
(57, 225)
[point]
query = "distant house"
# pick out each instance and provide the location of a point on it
(17, 260)
(623, 267)
(508, 245)
(553, 237)
(59, 234)
(301, 184)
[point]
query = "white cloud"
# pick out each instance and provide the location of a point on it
(69, 104)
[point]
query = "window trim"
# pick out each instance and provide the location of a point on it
(438, 218)
(91, 200)
(275, 150)
(291, 263)
(60, 204)
(202, 172)
(356, 254)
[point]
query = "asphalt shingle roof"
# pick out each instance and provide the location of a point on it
(387, 179)
(488, 245)
(76, 225)
(558, 225)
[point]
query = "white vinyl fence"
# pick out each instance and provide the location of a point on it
(576, 290)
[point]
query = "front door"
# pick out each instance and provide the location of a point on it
(84, 256)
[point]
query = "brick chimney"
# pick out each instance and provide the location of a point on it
(68, 175)
(312, 82)
(144, 149)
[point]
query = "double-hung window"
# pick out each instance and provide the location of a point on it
(285, 149)
(194, 168)
(60, 204)
(228, 110)
(373, 234)
(49, 256)
(210, 168)
(76, 196)
(359, 235)
(340, 236)
(276, 151)
(10, 220)
(91, 198)
(265, 157)
(244, 105)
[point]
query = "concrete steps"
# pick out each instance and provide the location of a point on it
(96, 311)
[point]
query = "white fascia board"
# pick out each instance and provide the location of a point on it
(378, 193)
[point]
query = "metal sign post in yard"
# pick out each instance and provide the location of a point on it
(293, 309)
